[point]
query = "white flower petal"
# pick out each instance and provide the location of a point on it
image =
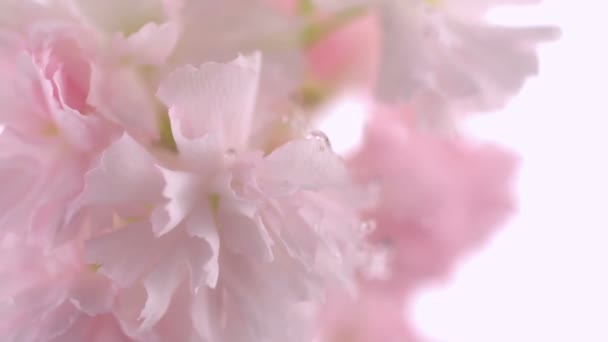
(182, 189)
(153, 43)
(245, 235)
(160, 286)
(302, 164)
(201, 224)
(124, 255)
(214, 98)
(127, 166)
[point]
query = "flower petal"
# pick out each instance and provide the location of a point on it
(125, 165)
(182, 189)
(227, 93)
(92, 294)
(245, 235)
(124, 255)
(153, 43)
(160, 286)
(201, 224)
(121, 96)
(302, 164)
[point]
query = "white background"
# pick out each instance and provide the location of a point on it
(544, 278)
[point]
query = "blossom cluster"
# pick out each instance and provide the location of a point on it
(164, 177)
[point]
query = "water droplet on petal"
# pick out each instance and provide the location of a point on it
(320, 137)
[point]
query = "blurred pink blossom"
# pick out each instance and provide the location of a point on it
(349, 55)
(439, 198)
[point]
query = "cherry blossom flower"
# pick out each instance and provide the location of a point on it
(251, 238)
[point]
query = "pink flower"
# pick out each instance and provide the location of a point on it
(439, 196)
(218, 230)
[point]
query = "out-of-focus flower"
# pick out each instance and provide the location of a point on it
(444, 58)
(439, 198)
(348, 56)
(341, 49)
(447, 60)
